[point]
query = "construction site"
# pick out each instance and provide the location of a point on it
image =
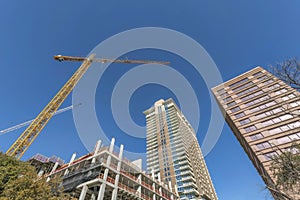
(101, 174)
(106, 174)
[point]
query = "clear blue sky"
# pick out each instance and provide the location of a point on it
(238, 35)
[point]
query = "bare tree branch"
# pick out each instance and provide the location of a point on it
(288, 71)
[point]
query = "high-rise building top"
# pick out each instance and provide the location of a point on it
(174, 154)
(263, 113)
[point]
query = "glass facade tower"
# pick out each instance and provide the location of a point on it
(173, 152)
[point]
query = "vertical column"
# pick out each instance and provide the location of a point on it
(170, 186)
(153, 188)
(53, 170)
(54, 167)
(93, 197)
(160, 190)
(121, 152)
(158, 177)
(83, 192)
(114, 194)
(97, 147)
(101, 191)
(176, 191)
(112, 143)
(41, 173)
(139, 190)
(152, 173)
(115, 191)
(71, 160)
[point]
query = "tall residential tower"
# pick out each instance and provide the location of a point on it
(173, 152)
(263, 113)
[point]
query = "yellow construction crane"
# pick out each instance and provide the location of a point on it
(29, 135)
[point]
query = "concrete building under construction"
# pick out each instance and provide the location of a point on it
(43, 164)
(105, 174)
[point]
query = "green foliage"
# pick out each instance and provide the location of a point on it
(286, 169)
(19, 181)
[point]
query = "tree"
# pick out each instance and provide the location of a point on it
(19, 181)
(286, 170)
(286, 166)
(289, 72)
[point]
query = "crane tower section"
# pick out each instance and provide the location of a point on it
(32, 131)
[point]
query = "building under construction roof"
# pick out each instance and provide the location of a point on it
(44, 164)
(105, 174)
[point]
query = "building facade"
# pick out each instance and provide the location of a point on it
(263, 113)
(173, 152)
(106, 175)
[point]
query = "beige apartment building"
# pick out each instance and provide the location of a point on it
(173, 152)
(263, 113)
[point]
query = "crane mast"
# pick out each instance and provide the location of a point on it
(33, 130)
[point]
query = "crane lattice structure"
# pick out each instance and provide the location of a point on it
(16, 127)
(33, 130)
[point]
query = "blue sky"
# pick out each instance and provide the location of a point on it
(238, 35)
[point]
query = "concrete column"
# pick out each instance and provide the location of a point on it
(93, 197)
(115, 190)
(152, 173)
(176, 191)
(158, 177)
(154, 197)
(108, 160)
(170, 186)
(114, 194)
(120, 158)
(40, 173)
(153, 188)
(140, 179)
(97, 147)
(139, 190)
(112, 143)
(54, 167)
(105, 174)
(71, 160)
(83, 192)
(101, 191)
(117, 180)
(103, 185)
(121, 152)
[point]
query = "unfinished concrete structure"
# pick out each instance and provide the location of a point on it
(263, 113)
(43, 164)
(105, 174)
